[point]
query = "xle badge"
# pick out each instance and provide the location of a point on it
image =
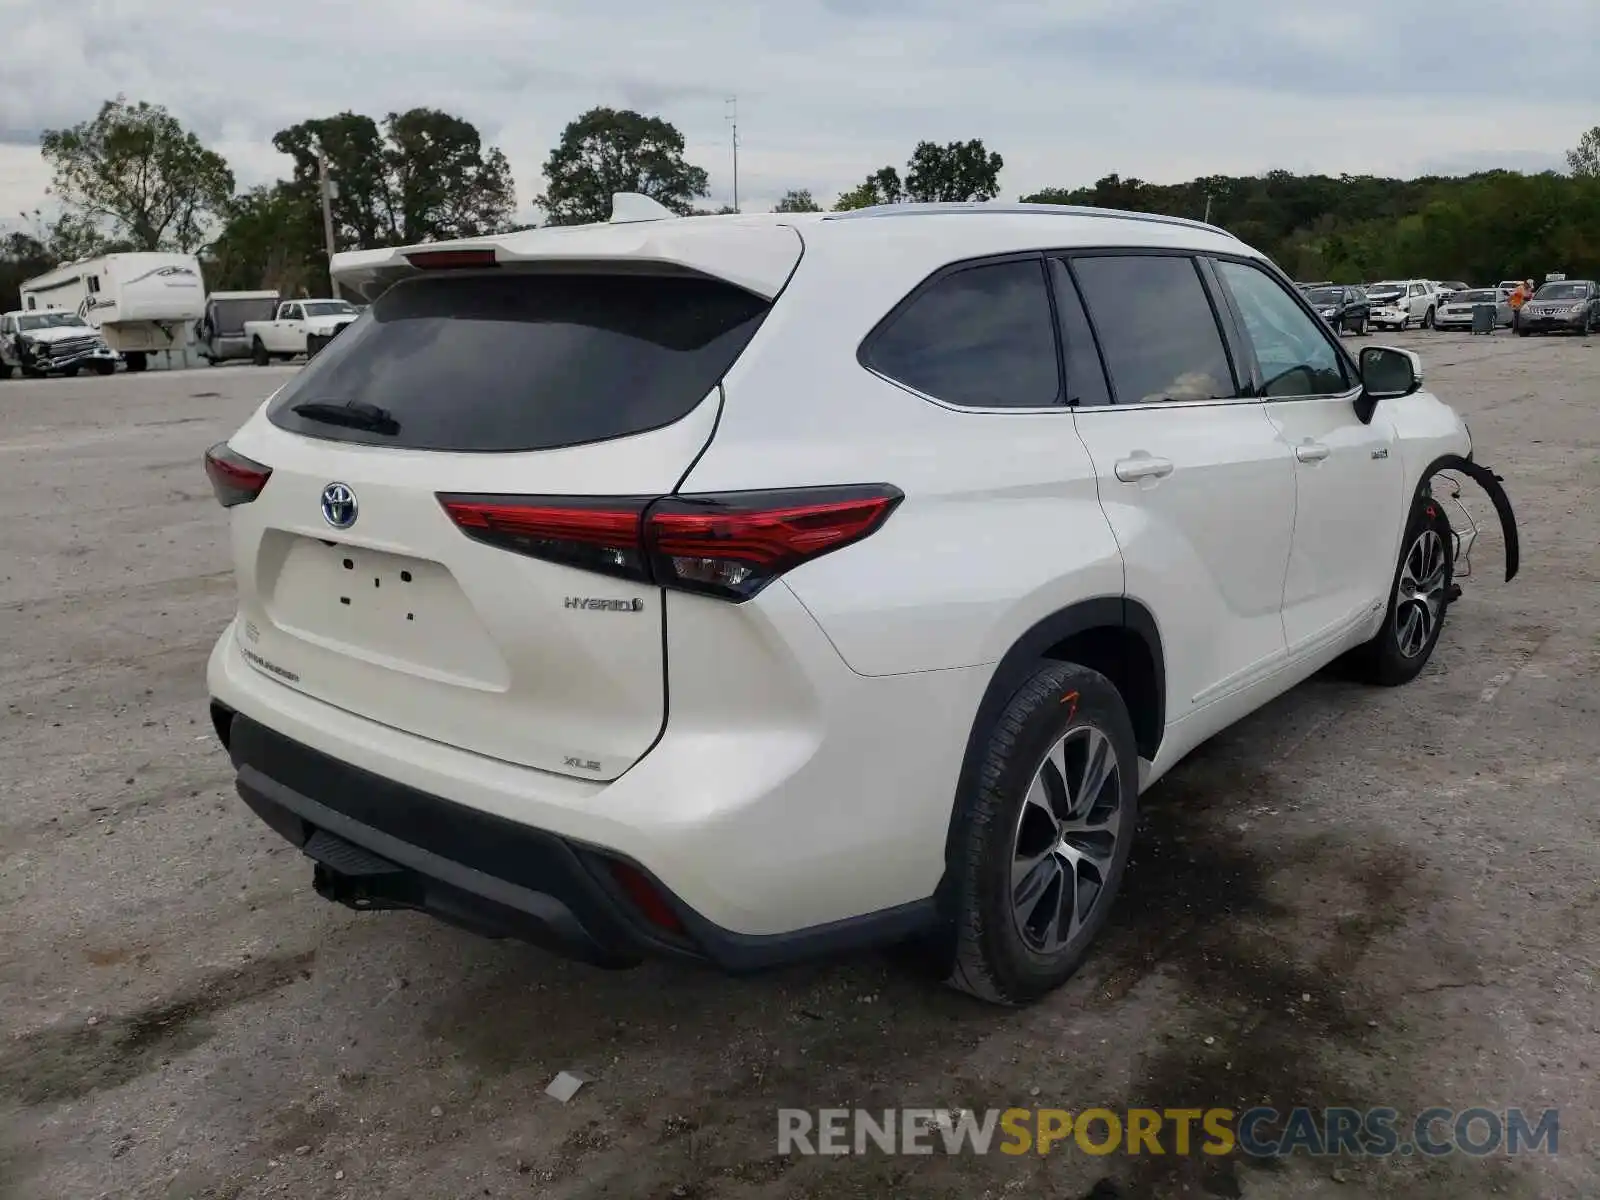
(582, 764)
(1380, 453)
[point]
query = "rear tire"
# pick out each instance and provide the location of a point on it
(5, 370)
(1042, 835)
(1418, 600)
(1427, 319)
(105, 368)
(69, 372)
(258, 353)
(137, 361)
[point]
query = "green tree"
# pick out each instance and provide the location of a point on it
(953, 173)
(442, 181)
(357, 160)
(1584, 158)
(796, 201)
(271, 239)
(425, 176)
(608, 150)
(883, 186)
(135, 172)
(22, 256)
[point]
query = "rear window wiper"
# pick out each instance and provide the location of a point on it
(353, 415)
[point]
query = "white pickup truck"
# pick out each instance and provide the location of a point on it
(296, 321)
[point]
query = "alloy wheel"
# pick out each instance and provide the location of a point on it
(1419, 595)
(1066, 839)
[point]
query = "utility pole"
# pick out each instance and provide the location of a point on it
(329, 190)
(1208, 208)
(733, 120)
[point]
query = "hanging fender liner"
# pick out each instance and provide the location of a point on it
(1491, 485)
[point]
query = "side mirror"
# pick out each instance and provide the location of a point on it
(1387, 373)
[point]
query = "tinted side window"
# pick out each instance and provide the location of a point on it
(979, 337)
(1295, 356)
(1157, 331)
(1086, 378)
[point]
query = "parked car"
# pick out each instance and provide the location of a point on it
(1568, 306)
(50, 342)
(1449, 287)
(1456, 312)
(1400, 304)
(1345, 308)
(288, 333)
(808, 475)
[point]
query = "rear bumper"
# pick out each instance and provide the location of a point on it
(378, 844)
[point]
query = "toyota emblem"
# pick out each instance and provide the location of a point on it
(339, 507)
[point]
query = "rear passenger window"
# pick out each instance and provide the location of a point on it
(979, 337)
(1086, 379)
(1157, 331)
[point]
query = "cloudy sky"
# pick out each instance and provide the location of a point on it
(829, 90)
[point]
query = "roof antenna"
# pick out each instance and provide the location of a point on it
(630, 207)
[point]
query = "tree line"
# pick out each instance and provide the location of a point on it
(133, 178)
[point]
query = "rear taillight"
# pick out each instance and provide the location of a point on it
(594, 535)
(729, 545)
(733, 545)
(234, 478)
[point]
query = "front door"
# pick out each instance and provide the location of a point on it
(1349, 481)
(1195, 481)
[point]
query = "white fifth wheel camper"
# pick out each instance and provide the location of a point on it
(142, 303)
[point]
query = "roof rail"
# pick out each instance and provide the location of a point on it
(990, 208)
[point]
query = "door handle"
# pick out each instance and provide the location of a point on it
(1310, 452)
(1140, 465)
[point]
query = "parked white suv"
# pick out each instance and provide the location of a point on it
(1399, 304)
(753, 587)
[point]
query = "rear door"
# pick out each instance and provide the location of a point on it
(1196, 482)
(521, 638)
(1349, 482)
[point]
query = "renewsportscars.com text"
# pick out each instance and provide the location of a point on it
(1258, 1132)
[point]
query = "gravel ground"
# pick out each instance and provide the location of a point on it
(1354, 897)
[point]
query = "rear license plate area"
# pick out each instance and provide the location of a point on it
(391, 609)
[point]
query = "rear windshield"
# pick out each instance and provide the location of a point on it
(521, 361)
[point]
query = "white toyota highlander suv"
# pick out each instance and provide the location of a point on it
(753, 587)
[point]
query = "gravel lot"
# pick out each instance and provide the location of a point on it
(180, 1016)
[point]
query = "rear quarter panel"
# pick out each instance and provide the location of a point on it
(1001, 523)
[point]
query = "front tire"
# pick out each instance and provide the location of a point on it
(137, 361)
(1419, 598)
(1427, 319)
(105, 368)
(1042, 837)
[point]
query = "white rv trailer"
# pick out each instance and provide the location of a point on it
(142, 303)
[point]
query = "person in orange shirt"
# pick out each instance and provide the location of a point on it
(1519, 297)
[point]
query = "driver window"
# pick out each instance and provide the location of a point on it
(1292, 349)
